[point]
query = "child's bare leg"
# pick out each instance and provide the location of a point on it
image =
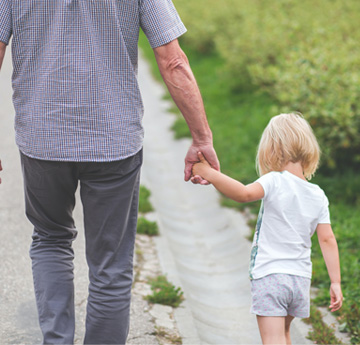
(272, 329)
(288, 320)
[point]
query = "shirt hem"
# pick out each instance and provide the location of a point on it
(290, 272)
(78, 160)
(168, 36)
(4, 38)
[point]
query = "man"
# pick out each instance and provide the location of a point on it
(78, 119)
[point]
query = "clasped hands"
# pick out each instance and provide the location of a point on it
(198, 161)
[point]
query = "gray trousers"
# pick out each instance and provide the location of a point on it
(109, 194)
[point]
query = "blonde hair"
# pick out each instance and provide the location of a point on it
(288, 138)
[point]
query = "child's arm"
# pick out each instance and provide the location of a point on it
(233, 189)
(330, 253)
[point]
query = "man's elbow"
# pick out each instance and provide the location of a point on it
(176, 64)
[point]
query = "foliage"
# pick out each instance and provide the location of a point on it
(147, 227)
(144, 202)
(305, 54)
(321, 333)
(164, 292)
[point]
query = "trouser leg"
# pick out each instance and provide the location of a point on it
(110, 202)
(49, 201)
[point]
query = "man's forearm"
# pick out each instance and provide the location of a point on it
(181, 83)
(2, 52)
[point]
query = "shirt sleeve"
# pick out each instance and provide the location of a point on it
(5, 21)
(324, 217)
(160, 21)
(267, 181)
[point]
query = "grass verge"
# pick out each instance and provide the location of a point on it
(321, 333)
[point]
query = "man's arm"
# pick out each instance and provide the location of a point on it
(180, 81)
(2, 52)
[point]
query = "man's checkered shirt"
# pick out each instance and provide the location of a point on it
(76, 94)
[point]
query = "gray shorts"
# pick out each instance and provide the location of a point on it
(281, 295)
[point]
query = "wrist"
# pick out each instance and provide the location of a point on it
(204, 138)
(209, 174)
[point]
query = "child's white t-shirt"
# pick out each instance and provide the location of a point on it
(290, 212)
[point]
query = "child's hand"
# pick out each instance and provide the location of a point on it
(201, 169)
(335, 296)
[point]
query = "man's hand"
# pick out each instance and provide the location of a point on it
(192, 157)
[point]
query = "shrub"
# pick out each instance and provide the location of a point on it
(144, 203)
(304, 53)
(164, 292)
(147, 227)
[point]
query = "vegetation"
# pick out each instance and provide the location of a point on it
(165, 337)
(164, 292)
(305, 54)
(144, 202)
(320, 333)
(146, 227)
(266, 57)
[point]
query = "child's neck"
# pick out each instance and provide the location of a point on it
(295, 169)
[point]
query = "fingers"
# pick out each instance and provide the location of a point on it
(188, 171)
(196, 179)
(201, 157)
(335, 306)
(336, 297)
(336, 303)
(199, 180)
(210, 156)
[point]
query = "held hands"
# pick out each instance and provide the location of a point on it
(201, 170)
(192, 158)
(336, 297)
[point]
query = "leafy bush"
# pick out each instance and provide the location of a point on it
(304, 53)
(144, 202)
(147, 227)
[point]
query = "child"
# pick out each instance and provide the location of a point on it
(292, 210)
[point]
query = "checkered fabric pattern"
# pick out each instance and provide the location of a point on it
(76, 94)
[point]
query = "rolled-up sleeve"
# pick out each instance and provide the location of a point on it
(5, 21)
(160, 21)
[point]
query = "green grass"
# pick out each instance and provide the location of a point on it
(144, 202)
(320, 333)
(164, 292)
(146, 227)
(237, 117)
